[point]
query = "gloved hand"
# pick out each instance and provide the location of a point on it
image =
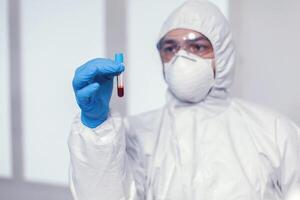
(93, 84)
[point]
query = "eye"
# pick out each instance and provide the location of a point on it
(198, 48)
(169, 49)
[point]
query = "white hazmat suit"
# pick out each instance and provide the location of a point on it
(219, 149)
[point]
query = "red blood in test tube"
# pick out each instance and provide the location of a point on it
(120, 86)
(120, 91)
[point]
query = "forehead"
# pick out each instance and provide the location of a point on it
(183, 34)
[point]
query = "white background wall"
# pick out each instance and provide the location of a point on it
(5, 151)
(267, 36)
(57, 37)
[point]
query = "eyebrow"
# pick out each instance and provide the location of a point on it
(165, 41)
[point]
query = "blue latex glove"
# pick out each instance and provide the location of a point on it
(93, 84)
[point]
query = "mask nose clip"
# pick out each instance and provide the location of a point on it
(191, 59)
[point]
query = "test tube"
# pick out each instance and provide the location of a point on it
(120, 83)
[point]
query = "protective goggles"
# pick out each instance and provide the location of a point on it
(192, 42)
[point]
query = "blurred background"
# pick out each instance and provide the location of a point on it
(43, 42)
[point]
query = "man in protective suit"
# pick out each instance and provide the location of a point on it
(202, 144)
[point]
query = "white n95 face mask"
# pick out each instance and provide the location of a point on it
(189, 77)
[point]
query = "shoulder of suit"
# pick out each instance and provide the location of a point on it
(255, 109)
(256, 115)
